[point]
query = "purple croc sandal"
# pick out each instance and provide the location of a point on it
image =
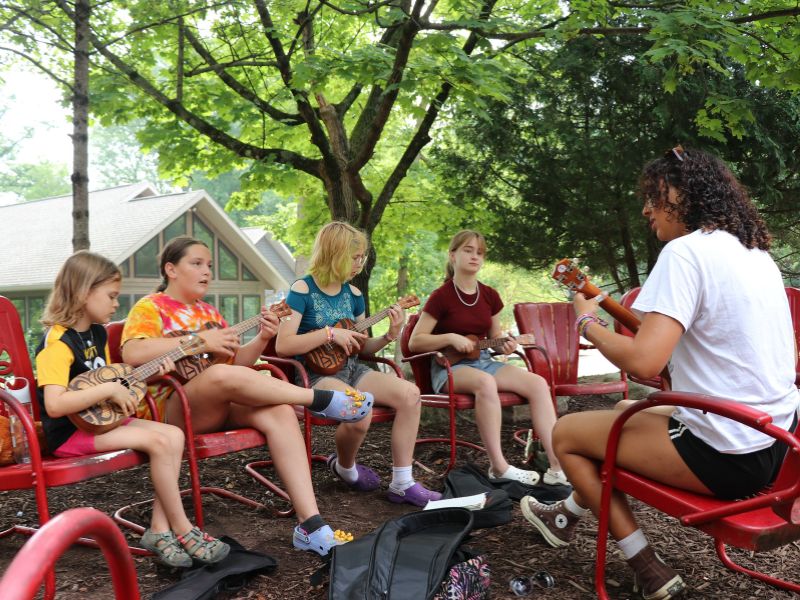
(348, 406)
(417, 494)
(368, 480)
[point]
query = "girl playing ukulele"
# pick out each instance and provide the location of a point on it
(230, 395)
(320, 300)
(464, 306)
(84, 297)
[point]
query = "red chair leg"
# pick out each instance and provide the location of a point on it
(726, 560)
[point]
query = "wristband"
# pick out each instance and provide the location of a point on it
(584, 320)
(388, 338)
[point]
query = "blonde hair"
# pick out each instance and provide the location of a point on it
(78, 276)
(332, 256)
(459, 239)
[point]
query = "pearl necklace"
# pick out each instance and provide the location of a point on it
(477, 297)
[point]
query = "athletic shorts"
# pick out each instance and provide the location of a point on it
(728, 476)
(351, 373)
(483, 363)
(80, 443)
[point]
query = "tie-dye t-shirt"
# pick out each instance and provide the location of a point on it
(157, 315)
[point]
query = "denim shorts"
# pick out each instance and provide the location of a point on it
(483, 363)
(351, 373)
(728, 476)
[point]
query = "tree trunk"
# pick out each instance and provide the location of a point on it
(80, 129)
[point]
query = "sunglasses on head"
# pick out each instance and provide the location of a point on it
(678, 152)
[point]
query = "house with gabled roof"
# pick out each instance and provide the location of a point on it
(130, 224)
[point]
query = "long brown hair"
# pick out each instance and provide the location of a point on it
(174, 250)
(459, 239)
(78, 276)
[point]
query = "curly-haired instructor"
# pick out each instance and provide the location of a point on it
(714, 303)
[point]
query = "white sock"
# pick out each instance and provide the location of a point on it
(350, 475)
(575, 508)
(402, 479)
(632, 544)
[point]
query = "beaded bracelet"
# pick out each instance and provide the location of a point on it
(329, 332)
(585, 320)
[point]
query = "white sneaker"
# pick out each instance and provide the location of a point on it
(555, 478)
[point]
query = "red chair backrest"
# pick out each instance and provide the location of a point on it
(793, 296)
(420, 368)
(14, 357)
(114, 331)
(269, 350)
(627, 301)
(553, 324)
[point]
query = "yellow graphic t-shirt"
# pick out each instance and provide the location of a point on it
(158, 315)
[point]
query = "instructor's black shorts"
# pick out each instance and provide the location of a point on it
(728, 476)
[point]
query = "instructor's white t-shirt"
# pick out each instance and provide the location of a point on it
(738, 340)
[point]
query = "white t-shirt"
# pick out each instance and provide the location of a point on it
(738, 341)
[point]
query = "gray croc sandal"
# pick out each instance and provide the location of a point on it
(202, 547)
(166, 548)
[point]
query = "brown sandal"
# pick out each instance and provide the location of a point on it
(202, 547)
(166, 548)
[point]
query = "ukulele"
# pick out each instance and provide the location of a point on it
(105, 415)
(453, 356)
(567, 273)
(328, 358)
(196, 364)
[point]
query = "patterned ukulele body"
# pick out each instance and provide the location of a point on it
(190, 367)
(104, 415)
(330, 357)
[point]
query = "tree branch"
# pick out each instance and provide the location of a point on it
(41, 67)
(233, 83)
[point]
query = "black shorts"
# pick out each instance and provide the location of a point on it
(728, 476)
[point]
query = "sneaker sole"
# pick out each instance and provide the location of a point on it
(540, 526)
(674, 588)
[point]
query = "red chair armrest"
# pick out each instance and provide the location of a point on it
(291, 362)
(374, 358)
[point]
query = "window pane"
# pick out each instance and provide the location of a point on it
(210, 299)
(229, 307)
(124, 268)
(251, 305)
(203, 233)
(176, 228)
(35, 310)
(247, 275)
(124, 307)
(19, 304)
(145, 261)
(228, 267)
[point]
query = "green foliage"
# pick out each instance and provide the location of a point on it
(33, 181)
(559, 172)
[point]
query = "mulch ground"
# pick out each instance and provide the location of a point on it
(511, 550)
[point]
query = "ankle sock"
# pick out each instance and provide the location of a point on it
(349, 474)
(311, 524)
(402, 478)
(575, 508)
(321, 400)
(632, 544)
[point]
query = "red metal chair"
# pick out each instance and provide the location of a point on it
(205, 445)
(627, 301)
(448, 400)
(290, 367)
(553, 324)
(769, 520)
(37, 558)
(44, 471)
(793, 295)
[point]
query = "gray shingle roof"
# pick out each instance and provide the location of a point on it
(36, 236)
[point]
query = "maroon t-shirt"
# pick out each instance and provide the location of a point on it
(453, 316)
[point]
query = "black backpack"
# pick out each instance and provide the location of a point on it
(468, 481)
(406, 558)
